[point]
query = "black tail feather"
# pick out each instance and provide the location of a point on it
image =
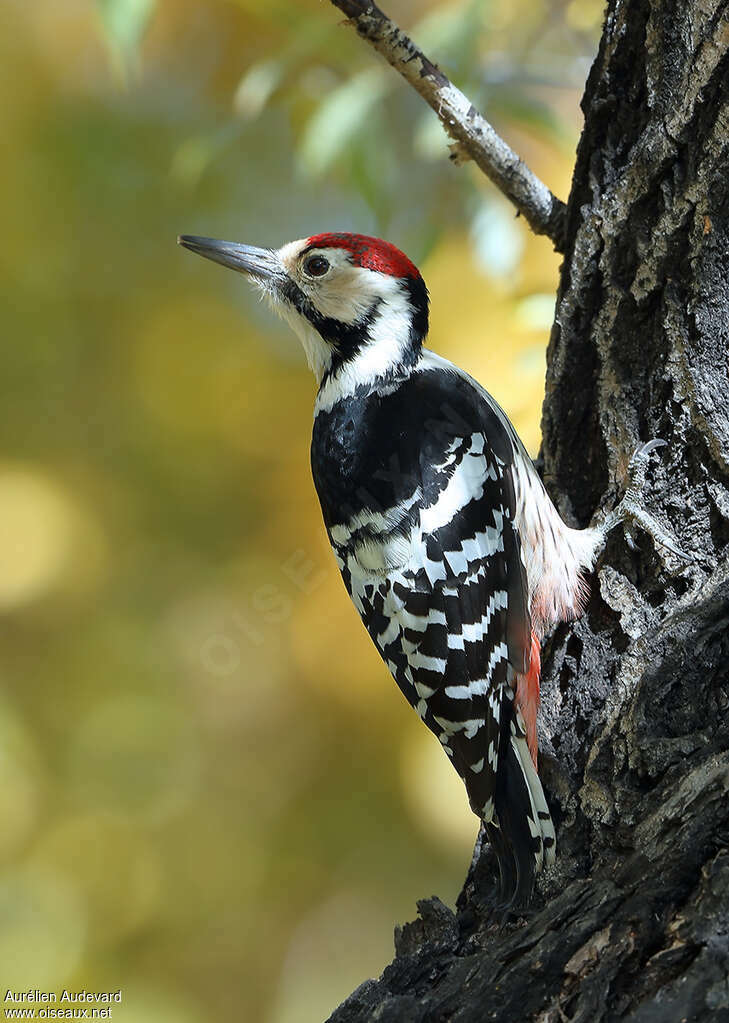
(522, 834)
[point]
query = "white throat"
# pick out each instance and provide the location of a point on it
(318, 353)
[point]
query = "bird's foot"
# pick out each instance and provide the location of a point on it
(630, 512)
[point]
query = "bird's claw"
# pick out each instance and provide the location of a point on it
(643, 450)
(638, 466)
(630, 511)
(634, 515)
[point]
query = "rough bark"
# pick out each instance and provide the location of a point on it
(633, 922)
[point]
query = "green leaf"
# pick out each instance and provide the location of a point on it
(192, 158)
(497, 241)
(338, 119)
(448, 30)
(257, 86)
(124, 23)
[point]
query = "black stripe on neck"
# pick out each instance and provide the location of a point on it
(419, 301)
(348, 339)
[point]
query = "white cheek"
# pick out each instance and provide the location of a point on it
(345, 294)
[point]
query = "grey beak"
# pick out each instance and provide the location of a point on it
(261, 263)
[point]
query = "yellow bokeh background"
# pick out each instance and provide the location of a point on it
(212, 795)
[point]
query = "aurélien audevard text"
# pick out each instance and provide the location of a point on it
(72, 1004)
(35, 995)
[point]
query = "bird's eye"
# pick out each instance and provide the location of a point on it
(316, 266)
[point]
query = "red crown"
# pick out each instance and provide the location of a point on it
(370, 253)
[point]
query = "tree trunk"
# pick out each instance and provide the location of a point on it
(633, 922)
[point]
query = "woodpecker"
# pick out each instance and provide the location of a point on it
(447, 542)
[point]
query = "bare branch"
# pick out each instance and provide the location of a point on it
(471, 132)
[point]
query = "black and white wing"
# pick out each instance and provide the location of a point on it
(439, 582)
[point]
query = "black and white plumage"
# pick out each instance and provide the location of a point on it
(450, 548)
(421, 523)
